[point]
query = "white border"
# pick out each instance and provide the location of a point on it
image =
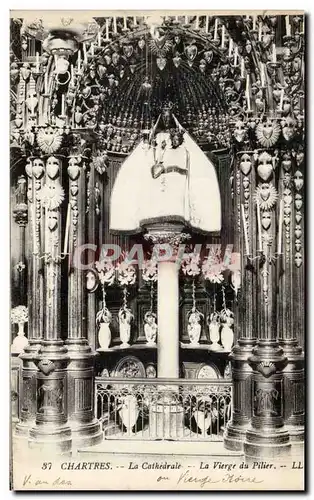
(4, 186)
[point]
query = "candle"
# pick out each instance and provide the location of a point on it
(67, 230)
(134, 20)
(246, 240)
(235, 60)
(46, 236)
(223, 36)
(274, 54)
(92, 49)
(33, 214)
(62, 105)
(259, 227)
(85, 53)
(79, 60)
(197, 23)
(279, 249)
(242, 67)
(72, 74)
(37, 62)
(107, 29)
(124, 23)
(114, 24)
(186, 20)
(262, 75)
(99, 39)
(259, 32)
(207, 24)
(216, 28)
(281, 100)
(46, 81)
(288, 26)
(230, 46)
(248, 92)
(254, 23)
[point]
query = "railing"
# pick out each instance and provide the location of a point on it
(154, 409)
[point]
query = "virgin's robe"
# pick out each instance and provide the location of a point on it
(161, 184)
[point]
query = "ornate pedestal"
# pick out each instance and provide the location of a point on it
(51, 432)
(242, 386)
(85, 427)
(267, 437)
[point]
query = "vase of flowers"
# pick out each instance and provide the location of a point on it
(126, 277)
(19, 316)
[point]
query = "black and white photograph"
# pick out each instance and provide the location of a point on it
(157, 201)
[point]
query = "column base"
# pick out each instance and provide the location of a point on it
(86, 430)
(50, 439)
(166, 421)
(88, 434)
(267, 444)
(234, 436)
(235, 432)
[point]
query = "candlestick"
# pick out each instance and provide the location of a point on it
(207, 24)
(37, 62)
(254, 23)
(274, 54)
(288, 26)
(242, 67)
(107, 29)
(246, 239)
(259, 227)
(281, 100)
(216, 28)
(67, 230)
(235, 60)
(259, 32)
(230, 46)
(114, 24)
(279, 249)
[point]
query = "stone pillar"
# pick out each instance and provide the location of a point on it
(166, 417)
(35, 237)
(267, 437)
(245, 314)
(291, 294)
(85, 428)
(51, 433)
(168, 320)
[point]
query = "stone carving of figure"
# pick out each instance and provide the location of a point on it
(125, 319)
(194, 327)
(174, 180)
(150, 327)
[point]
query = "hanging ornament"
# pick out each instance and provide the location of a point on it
(265, 167)
(51, 196)
(268, 133)
(49, 139)
(265, 196)
(161, 63)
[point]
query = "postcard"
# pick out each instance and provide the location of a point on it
(157, 250)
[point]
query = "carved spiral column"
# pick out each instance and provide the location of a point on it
(51, 431)
(267, 437)
(291, 287)
(35, 174)
(243, 188)
(85, 428)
